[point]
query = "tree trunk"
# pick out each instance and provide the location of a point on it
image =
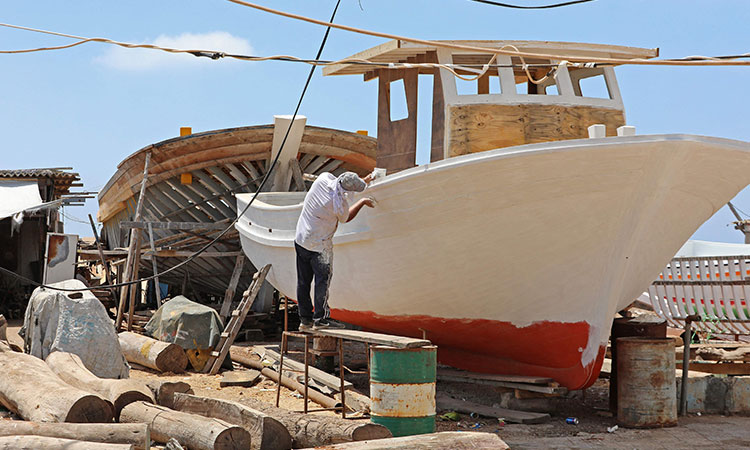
(267, 433)
(164, 391)
(448, 440)
(153, 354)
(51, 443)
(136, 434)
(312, 430)
(29, 388)
(70, 368)
(317, 397)
(190, 430)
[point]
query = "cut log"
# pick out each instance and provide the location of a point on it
(190, 430)
(312, 430)
(153, 354)
(136, 434)
(355, 400)
(29, 388)
(317, 397)
(70, 368)
(52, 443)
(3, 328)
(447, 440)
(266, 432)
(445, 402)
(164, 391)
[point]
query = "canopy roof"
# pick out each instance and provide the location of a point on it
(399, 51)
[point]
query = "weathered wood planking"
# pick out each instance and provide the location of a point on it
(475, 128)
(375, 338)
(470, 376)
(316, 374)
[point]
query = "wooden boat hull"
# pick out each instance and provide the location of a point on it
(512, 260)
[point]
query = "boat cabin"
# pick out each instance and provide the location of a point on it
(499, 107)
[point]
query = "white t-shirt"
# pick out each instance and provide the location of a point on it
(321, 214)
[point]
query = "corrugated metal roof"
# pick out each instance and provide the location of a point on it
(37, 173)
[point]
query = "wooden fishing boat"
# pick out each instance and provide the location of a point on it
(194, 179)
(515, 247)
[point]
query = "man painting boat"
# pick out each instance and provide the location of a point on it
(325, 206)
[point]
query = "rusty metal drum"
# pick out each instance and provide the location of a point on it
(402, 389)
(646, 391)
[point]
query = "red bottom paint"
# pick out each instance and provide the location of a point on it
(549, 349)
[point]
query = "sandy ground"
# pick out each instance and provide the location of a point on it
(590, 408)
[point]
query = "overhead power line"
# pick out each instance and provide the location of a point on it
(554, 5)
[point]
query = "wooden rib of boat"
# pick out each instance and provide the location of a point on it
(219, 164)
(516, 246)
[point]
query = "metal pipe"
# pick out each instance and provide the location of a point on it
(341, 377)
(686, 338)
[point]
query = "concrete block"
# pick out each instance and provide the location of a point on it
(626, 130)
(738, 398)
(697, 387)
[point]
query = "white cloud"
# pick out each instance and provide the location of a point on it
(148, 59)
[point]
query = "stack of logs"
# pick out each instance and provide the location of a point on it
(64, 405)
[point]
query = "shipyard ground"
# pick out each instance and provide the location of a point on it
(591, 410)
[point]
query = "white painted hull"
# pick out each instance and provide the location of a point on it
(500, 252)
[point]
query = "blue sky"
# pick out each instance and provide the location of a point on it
(91, 106)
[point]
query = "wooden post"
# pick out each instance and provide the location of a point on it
(229, 294)
(101, 257)
(133, 250)
(157, 291)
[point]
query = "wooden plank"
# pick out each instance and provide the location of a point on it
(445, 402)
(93, 254)
(507, 384)
(374, 338)
(719, 368)
(297, 175)
(229, 294)
(469, 376)
(173, 225)
(243, 378)
(316, 374)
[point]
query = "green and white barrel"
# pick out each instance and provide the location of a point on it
(402, 389)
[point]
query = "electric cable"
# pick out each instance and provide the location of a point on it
(234, 221)
(456, 46)
(555, 5)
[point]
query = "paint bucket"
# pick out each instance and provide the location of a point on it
(402, 389)
(646, 391)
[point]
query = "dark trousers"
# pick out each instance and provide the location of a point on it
(313, 265)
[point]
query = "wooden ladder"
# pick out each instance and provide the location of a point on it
(235, 323)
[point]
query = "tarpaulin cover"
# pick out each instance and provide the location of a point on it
(56, 322)
(186, 323)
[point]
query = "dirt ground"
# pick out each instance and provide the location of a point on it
(589, 407)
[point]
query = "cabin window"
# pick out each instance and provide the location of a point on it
(590, 83)
(399, 110)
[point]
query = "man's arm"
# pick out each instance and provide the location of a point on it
(354, 209)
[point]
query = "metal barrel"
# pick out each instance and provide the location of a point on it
(646, 390)
(402, 389)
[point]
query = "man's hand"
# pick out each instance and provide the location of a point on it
(368, 178)
(354, 210)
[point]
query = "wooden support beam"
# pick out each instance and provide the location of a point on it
(157, 289)
(297, 176)
(173, 225)
(103, 260)
(130, 264)
(445, 402)
(229, 294)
